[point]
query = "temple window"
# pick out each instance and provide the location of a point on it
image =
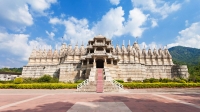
(108, 61)
(114, 62)
(99, 49)
(107, 51)
(91, 61)
(99, 41)
(91, 51)
(85, 62)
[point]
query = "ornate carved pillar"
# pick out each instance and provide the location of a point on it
(95, 49)
(94, 63)
(87, 61)
(105, 62)
(111, 61)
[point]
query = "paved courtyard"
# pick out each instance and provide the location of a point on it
(135, 100)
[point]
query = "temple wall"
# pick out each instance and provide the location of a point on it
(180, 71)
(38, 71)
(138, 71)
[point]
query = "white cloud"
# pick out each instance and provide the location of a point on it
(157, 6)
(50, 34)
(154, 23)
(172, 45)
(18, 44)
(40, 5)
(77, 30)
(111, 23)
(55, 21)
(16, 15)
(115, 2)
(186, 23)
(135, 21)
(189, 37)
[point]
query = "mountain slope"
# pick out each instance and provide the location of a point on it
(185, 55)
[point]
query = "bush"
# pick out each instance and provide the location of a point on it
(160, 85)
(45, 78)
(30, 80)
(129, 79)
(136, 81)
(48, 79)
(39, 86)
(18, 80)
(151, 80)
(6, 82)
(165, 80)
(120, 81)
(79, 81)
(146, 80)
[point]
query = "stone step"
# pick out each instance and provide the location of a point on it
(100, 81)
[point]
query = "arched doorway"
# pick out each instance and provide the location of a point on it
(99, 63)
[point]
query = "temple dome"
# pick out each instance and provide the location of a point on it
(136, 46)
(99, 36)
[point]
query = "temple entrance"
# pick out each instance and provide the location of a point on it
(99, 63)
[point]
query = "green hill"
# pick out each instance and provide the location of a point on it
(185, 55)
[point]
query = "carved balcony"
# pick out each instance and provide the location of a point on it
(99, 44)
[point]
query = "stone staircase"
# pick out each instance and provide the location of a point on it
(100, 81)
(98, 84)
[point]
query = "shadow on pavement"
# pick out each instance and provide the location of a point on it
(138, 103)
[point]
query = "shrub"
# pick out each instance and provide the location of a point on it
(129, 79)
(47, 79)
(165, 80)
(39, 86)
(79, 81)
(146, 81)
(136, 81)
(153, 80)
(18, 80)
(160, 85)
(6, 82)
(120, 81)
(30, 80)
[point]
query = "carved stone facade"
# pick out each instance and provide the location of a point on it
(70, 64)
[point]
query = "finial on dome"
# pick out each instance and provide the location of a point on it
(62, 40)
(123, 42)
(136, 39)
(82, 43)
(129, 42)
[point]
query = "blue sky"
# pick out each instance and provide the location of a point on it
(28, 24)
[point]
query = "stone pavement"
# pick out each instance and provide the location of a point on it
(65, 100)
